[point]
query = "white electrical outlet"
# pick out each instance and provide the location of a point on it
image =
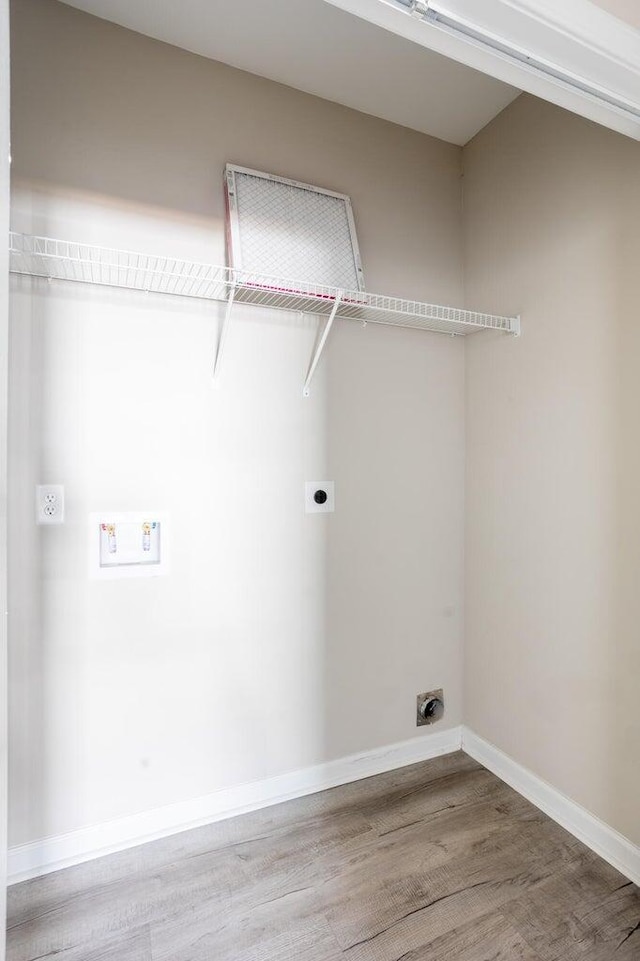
(50, 504)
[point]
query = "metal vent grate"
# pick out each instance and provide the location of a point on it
(291, 230)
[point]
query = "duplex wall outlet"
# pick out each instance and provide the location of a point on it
(50, 504)
(319, 497)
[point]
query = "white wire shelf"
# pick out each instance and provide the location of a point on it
(64, 260)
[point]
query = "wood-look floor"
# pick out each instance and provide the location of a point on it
(435, 862)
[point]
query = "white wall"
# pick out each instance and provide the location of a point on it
(279, 640)
(4, 331)
(552, 659)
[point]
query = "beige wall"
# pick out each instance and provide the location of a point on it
(552, 646)
(125, 697)
(279, 640)
(627, 10)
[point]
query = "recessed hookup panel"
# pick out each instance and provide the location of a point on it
(129, 544)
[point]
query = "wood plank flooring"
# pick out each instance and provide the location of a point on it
(438, 861)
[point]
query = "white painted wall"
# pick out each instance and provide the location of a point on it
(552, 660)
(279, 640)
(4, 331)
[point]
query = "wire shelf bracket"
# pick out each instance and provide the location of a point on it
(306, 390)
(70, 261)
(223, 335)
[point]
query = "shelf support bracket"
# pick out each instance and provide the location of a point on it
(320, 347)
(223, 333)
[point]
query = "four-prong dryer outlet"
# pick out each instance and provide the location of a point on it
(319, 497)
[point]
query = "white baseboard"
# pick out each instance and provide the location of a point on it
(603, 840)
(53, 853)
